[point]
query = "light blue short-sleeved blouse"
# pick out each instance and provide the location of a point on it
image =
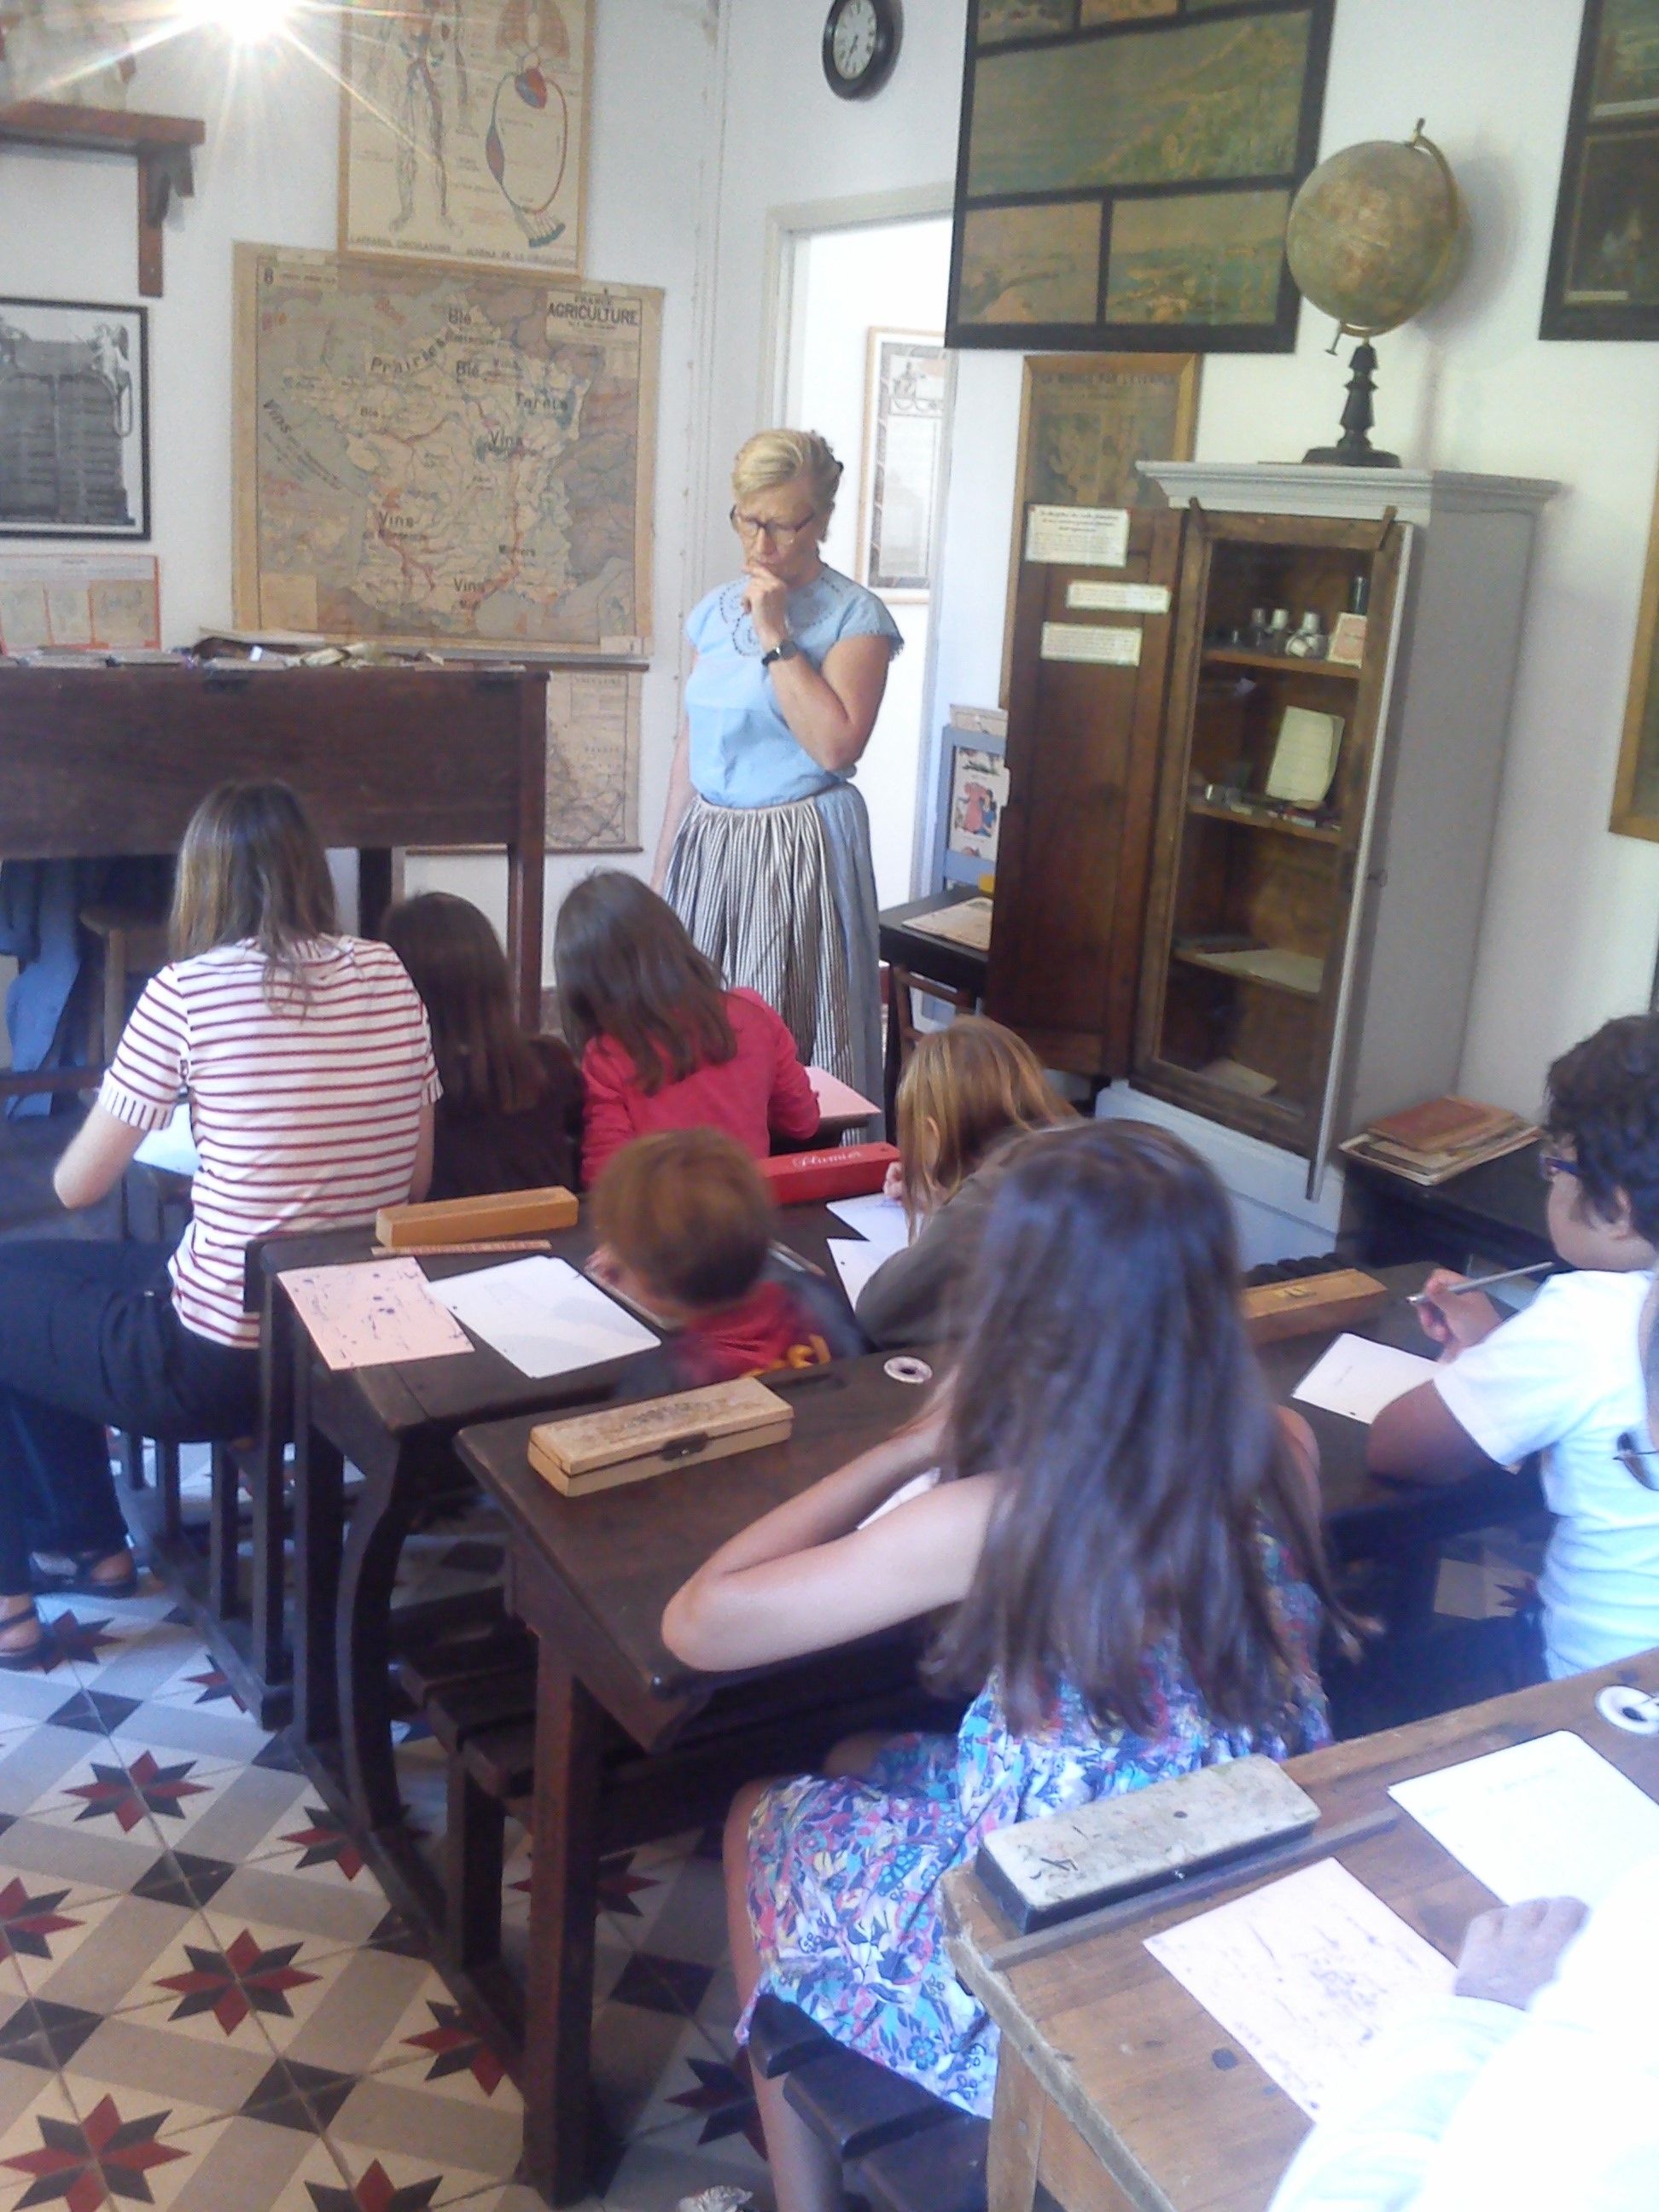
(742, 752)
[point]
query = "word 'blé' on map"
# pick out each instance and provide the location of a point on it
(429, 455)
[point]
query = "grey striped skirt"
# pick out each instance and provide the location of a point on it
(782, 899)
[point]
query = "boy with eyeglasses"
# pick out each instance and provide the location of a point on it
(1564, 1378)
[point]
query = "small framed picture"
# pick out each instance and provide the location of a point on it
(1603, 277)
(979, 793)
(74, 420)
(903, 425)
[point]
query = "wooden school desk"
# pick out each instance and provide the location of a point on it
(396, 1425)
(591, 1576)
(1116, 2091)
(97, 761)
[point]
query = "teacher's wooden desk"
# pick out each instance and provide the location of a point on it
(396, 1424)
(99, 762)
(1116, 2091)
(591, 1576)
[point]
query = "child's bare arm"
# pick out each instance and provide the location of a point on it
(1420, 1439)
(805, 1576)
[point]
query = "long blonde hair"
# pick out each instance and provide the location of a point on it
(966, 1086)
(252, 870)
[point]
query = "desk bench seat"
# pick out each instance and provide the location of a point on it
(901, 2148)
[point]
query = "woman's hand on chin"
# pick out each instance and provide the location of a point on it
(766, 595)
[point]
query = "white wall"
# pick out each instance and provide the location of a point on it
(889, 277)
(682, 184)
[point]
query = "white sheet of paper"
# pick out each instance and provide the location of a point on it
(544, 1316)
(1304, 756)
(916, 1487)
(1086, 537)
(854, 1263)
(838, 1100)
(373, 1312)
(173, 1147)
(1106, 644)
(1303, 1973)
(1551, 1818)
(1119, 599)
(880, 1220)
(1358, 1378)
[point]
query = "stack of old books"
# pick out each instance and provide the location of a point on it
(1431, 1143)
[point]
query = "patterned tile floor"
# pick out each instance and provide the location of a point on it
(207, 2003)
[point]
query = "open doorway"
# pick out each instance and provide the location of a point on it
(863, 361)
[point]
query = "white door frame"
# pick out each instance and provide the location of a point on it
(785, 229)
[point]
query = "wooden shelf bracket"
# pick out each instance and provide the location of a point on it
(161, 146)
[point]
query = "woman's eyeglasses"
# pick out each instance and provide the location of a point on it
(1551, 1164)
(1638, 1460)
(783, 534)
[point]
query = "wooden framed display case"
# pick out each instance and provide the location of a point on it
(1082, 750)
(1267, 782)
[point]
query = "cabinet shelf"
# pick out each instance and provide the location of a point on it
(1297, 975)
(1282, 663)
(1242, 818)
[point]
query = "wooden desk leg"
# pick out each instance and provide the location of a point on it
(319, 1528)
(373, 887)
(894, 1054)
(563, 1900)
(368, 1569)
(1010, 2164)
(272, 1659)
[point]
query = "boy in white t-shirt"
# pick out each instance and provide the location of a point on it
(1565, 1378)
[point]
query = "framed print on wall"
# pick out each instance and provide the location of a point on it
(1636, 792)
(74, 420)
(903, 424)
(1125, 170)
(1604, 280)
(464, 128)
(1084, 422)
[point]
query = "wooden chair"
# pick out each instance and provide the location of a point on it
(898, 987)
(900, 2148)
(130, 944)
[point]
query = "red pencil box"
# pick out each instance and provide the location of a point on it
(846, 1171)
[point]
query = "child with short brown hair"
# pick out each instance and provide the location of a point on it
(686, 1221)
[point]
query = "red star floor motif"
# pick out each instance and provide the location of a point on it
(373, 2193)
(74, 1638)
(619, 1886)
(724, 2099)
(103, 2161)
(324, 1840)
(26, 1922)
(457, 2047)
(126, 1794)
(215, 1688)
(234, 1982)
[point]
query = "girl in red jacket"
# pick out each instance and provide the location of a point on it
(662, 1045)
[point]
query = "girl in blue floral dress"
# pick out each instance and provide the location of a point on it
(1128, 1533)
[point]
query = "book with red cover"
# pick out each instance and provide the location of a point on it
(1442, 1125)
(846, 1171)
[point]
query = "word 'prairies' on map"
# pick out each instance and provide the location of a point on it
(429, 455)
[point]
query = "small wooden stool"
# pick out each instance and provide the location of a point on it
(131, 945)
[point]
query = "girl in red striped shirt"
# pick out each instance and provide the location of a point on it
(307, 1067)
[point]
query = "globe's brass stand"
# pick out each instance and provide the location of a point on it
(1354, 450)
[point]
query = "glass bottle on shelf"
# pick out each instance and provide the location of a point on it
(1309, 640)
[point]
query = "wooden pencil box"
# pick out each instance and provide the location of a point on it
(1310, 1302)
(844, 1171)
(1067, 1863)
(465, 1221)
(627, 1444)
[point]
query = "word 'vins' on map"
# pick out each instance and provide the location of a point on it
(427, 454)
(463, 129)
(594, 760)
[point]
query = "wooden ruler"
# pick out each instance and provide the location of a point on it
(444, 1251)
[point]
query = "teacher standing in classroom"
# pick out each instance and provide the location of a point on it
(765, 848)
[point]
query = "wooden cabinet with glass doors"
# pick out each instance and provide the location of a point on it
(1267, 780)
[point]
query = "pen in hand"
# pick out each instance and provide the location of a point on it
(1479, 1283)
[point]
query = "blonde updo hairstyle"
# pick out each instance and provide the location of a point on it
(771, 457)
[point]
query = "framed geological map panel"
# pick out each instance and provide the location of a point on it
(429, 455)
(1604, 280)
(464, 130)
(1125, 170)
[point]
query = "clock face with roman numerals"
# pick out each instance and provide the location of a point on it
(860, 44)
